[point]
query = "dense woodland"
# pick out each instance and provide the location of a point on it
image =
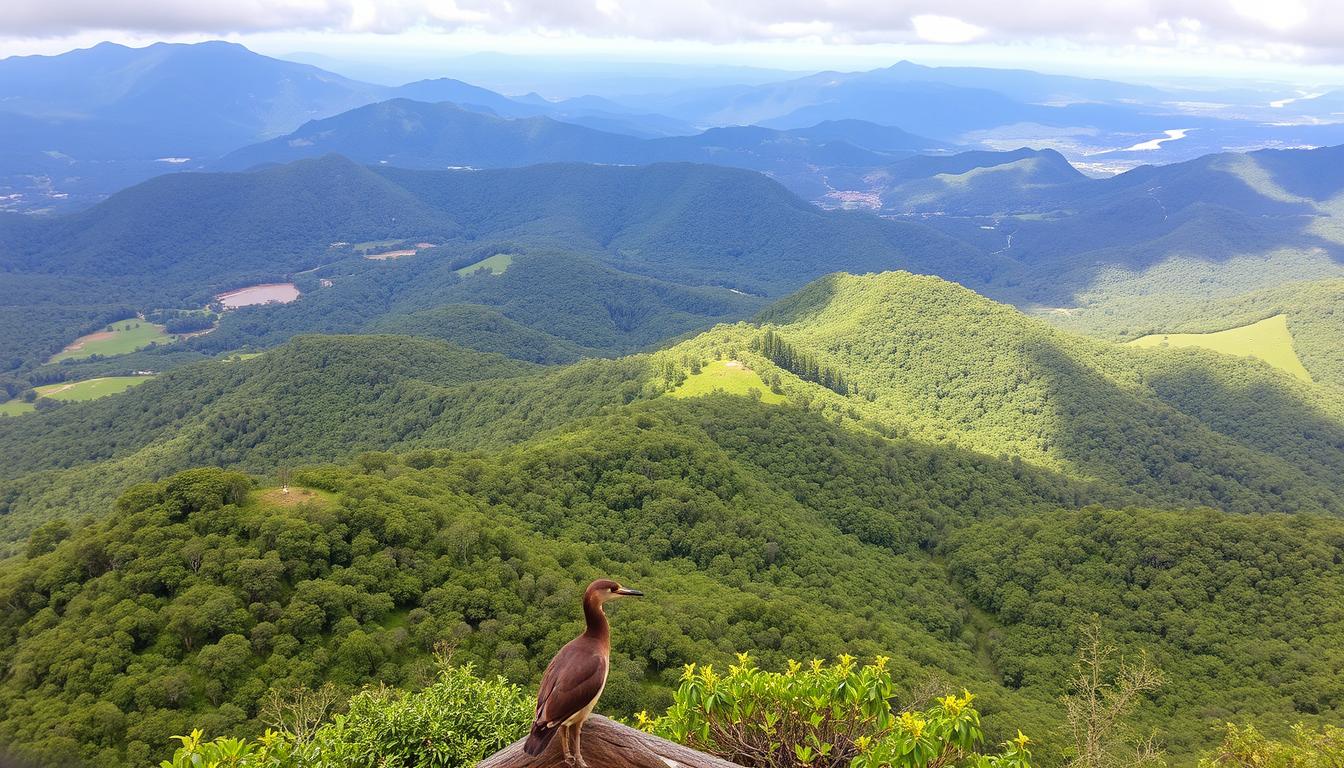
(196, 595)
(668, 222)
(1148, 424)
(184, 602)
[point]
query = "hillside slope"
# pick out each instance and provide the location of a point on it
(749, 526)
(176, 241)
(923, 359)
(932, 359)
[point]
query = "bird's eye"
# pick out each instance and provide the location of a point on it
(613, 589)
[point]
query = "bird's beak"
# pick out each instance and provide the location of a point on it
(629, 592)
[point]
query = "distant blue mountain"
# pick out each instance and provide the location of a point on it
(82, 124)
(411, 134)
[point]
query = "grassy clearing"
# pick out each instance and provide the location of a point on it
(727, 376)
(119, 338)
(1268, 340)
(277, 497)
(239, 357)
(91, 389)
(495, 264)
(75, 391)
(15, 408)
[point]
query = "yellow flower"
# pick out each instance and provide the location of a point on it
(912, 723)
(1021, 741)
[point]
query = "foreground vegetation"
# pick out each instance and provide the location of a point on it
(752, 526)
(828, 716)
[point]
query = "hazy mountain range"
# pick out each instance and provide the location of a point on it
(83, 124)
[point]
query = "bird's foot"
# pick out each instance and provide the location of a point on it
(575, 761)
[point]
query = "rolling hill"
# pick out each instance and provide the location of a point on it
(178, 240)
(1219, 227)
(985, 481)
(411, 134)
(927, 360)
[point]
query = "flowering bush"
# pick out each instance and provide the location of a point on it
(1247, 748)
(823, 716)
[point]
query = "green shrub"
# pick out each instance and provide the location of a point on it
(824, 717)
(1247, 748)
(453, 723)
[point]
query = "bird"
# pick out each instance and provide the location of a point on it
(574, 679)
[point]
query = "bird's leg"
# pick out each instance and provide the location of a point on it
(564, 743)
(578, 753)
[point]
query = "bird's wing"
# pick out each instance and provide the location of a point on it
(574, 678)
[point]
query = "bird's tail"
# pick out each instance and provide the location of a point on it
(541, 736)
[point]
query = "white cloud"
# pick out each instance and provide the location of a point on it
(1313, 27)
(945, 29)
(1278, 15)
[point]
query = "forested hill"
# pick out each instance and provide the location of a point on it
(666, 218)
(178, 240)
(902, 356)
(410, 134)
(192, 597)
(931, 358)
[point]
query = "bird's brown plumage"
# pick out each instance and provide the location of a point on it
(574, 679)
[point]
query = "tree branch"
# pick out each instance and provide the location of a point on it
(608, 744)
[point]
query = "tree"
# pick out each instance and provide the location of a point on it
(1106, 690)
(46, 536)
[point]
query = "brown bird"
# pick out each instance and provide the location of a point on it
(574, 679)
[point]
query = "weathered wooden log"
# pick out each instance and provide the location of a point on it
(608, 744)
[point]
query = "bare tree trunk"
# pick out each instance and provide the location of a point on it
(608, 744)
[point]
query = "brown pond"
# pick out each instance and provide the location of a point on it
(279, 293)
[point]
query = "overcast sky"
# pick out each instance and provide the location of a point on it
(1241, 37)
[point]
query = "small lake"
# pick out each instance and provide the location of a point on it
(278, 293)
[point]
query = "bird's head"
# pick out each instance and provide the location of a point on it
(603, 590)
